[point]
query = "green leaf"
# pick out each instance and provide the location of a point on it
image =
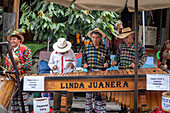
(67, 13)
(26, 21)
(33, 3)
(72, 26)
(48, 19)
(111, 27)
(63, 35)
(27, 12)
(74, 21)
(88, 20)
(61, 12)
(48, 26)
(109, 36)
(45, 25)
(23, 5)
(81, 16)
(70, 19)
(78, 15)
(44, 7)
(22, 19)
(51, 6)
(35, 37)
(53, 26)
(26, 7)
(37, 6)
(72, 6)
(45, 36)
(40, 36)
(33, 16)
(32, 27)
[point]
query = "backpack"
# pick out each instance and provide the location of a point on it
(43, 67)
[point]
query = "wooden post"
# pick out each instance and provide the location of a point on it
(8, 6)
(16, 10)
(63, 108)
(8, 23)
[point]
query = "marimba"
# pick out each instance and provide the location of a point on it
(116, 85)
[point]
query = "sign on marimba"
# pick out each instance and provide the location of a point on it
(119, 80)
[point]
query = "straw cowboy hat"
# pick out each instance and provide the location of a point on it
(125, 32)
(96, 30)
(62, 45)
(13, 34)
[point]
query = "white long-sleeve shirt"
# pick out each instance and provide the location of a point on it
(62, 61)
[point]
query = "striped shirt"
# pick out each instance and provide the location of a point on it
(95, 58)
(126, 55)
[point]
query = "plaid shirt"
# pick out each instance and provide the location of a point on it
(163, 49)
(126, 55)
(95, 58)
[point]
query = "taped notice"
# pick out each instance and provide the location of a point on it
(33, 83)
(158, 82)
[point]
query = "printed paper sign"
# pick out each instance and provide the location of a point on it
(41, 105)
(158, 81)
(33, 83)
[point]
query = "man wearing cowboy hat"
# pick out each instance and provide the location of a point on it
(125, 54)
(21, 51)
(62, 60)
(96, 57)
(25, 63)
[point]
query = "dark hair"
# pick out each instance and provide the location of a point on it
(19, 38)
(94, 32)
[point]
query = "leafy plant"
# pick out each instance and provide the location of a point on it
(41, 20)
(82, 21)
(47, 20)
(105, 21)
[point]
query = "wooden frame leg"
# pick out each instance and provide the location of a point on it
(143, 101)
(63, 108)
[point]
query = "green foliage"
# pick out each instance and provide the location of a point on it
(40, 20)
(34, 46)
(105, 21)
(49, 20)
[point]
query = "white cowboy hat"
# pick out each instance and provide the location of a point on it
(96, 30)
(125, 32)
(62, 45)
(13, 34)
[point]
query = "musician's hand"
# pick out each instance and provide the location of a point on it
(164, 61)
(18, 66)
(106, 65)
(71, 65)
(114, 63)
(132, 65)
(54, 67)
(85, 66)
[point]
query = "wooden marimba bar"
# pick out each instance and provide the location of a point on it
(116, 85)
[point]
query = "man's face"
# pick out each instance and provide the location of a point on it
(129, 39)
(96, 39)
(14, 41)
